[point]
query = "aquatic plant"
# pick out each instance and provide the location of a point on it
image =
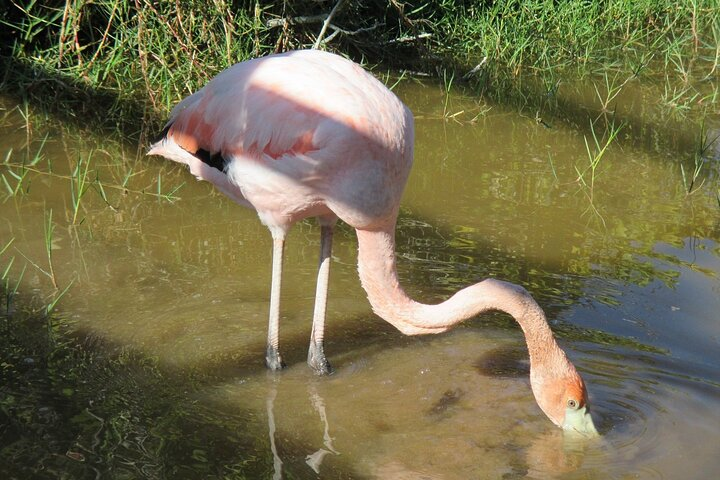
(10, 292)
(54, 301)
(79, 184)
(704, 144)
(15, 179)
(586, 176)
(611, 91)
(168, 196)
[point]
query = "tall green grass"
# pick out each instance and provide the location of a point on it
(127, 59)
(541, 35)
(143, 50)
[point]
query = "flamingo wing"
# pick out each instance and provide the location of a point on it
(290, 131)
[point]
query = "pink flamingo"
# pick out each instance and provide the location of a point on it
(310, 134)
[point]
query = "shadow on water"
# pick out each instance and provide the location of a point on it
(73, 404)
(636, 107)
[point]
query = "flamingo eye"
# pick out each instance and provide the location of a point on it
(572, 403)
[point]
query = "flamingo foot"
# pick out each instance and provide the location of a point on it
(273, 361)
(317, 361)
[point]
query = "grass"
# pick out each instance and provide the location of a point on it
(10, 292)
(690, 180)
(126, 50)
(161, 51)
(541, 35)
(705, 142)
(448, 82)
(54, 301)
(49, 230)
(14, 182)
(138, 51)
(84, 175)
(611, 90)
(519, 47)
(128, 62)
(79, 184)
(169, 196)
(588, 175)
(15, 178)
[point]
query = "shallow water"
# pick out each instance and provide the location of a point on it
(627, 272)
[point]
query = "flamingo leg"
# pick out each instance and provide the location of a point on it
(316, 353)
(272, 354)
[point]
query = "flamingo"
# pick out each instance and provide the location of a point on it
(311, 134)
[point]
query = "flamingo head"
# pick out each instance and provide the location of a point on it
(562, 396)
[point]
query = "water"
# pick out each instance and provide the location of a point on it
(169, 302)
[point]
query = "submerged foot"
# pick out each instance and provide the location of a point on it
(317, 360)
(273, 361)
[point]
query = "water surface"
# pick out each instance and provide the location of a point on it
(173, 295)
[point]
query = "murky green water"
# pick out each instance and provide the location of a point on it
(169, 301)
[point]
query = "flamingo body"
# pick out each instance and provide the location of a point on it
(310, 134)
(301, 134)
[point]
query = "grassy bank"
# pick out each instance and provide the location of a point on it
(138, 57)
(542, 35)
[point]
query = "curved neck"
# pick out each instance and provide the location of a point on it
(378, 275)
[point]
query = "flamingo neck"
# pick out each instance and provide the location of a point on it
(378, 275)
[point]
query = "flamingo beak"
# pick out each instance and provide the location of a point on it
(579, 421)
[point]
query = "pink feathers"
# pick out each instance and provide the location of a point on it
(301, 134)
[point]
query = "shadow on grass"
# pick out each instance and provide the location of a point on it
(72, 101)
